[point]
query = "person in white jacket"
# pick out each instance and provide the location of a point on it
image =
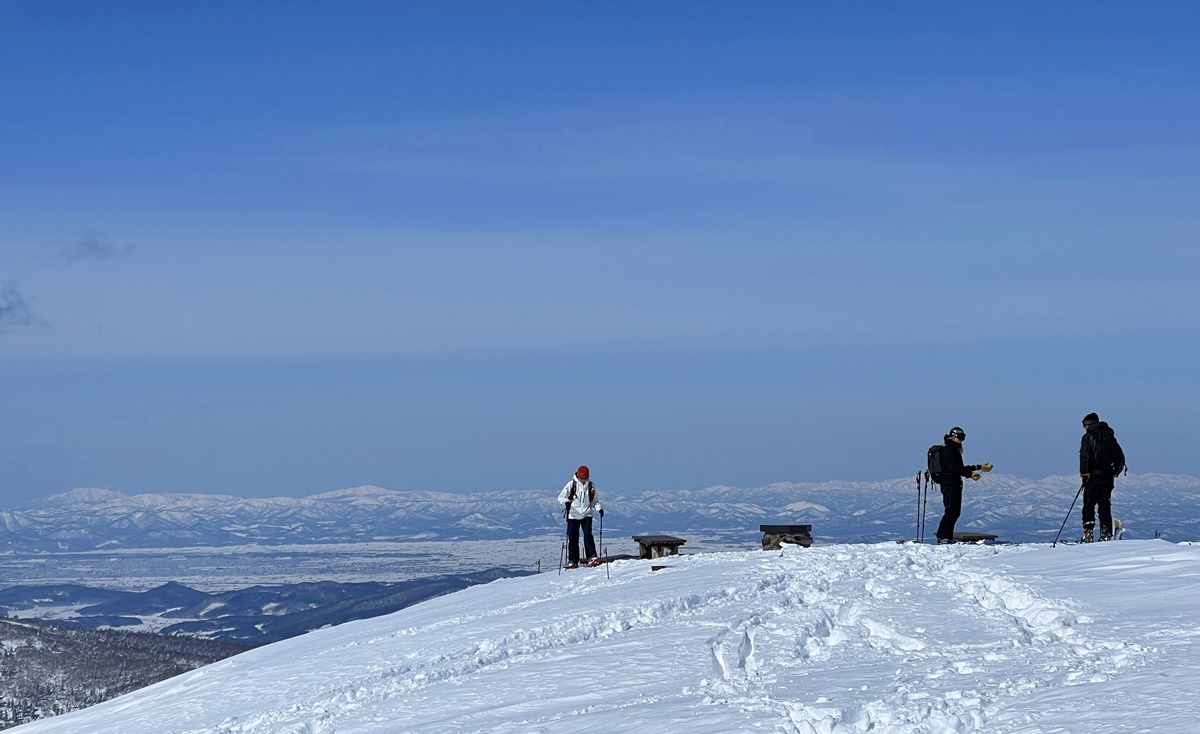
(579, 501)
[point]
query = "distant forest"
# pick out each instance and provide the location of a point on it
(47, 670)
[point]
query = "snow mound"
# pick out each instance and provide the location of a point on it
(885, 638)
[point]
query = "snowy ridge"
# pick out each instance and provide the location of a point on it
(886, 638)
(1017, 509)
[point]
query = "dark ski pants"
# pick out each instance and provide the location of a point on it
(952, 499)
(589, 543)
(1097, 493)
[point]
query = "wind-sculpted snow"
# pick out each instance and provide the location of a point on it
(879, 639)
(1016, 509)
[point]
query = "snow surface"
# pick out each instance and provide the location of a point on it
(882, 638)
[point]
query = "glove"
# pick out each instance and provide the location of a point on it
(566, 507)
(975, 476)
(1085, 475)
(985, 466)
(601, 512)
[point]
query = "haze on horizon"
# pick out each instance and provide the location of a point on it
(282, 249)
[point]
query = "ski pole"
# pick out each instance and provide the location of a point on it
(1064, 522)
(562, 554)
(918, 537)
(607, 571)
(924, 505)
(925, 508)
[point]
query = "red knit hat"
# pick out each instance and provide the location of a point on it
(582, 472)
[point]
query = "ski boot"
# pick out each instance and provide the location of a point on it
(1087, 535)
(945, 541)
(1105, 534)
(572, 565)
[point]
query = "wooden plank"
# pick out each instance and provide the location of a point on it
(659, 540)
(786, 529)
(973, 537)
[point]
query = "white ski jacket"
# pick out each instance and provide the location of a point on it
(582, 505)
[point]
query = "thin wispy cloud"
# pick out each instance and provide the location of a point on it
(93, 247)
(15, 312)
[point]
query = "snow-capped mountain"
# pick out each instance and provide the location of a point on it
(884, 638)
(1015, 508)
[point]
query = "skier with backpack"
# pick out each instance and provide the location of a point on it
(946, 469)
(1101, 459)
(579, 501)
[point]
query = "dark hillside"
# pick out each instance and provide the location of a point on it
(47, 670)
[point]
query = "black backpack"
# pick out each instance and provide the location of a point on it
(933, 462)
(1104, 453)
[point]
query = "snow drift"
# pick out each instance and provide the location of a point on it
(882, 638)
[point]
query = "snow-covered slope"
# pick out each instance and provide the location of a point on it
(1017, 509)
(883, 638)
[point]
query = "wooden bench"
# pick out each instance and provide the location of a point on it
(657, 546)
(774, 536)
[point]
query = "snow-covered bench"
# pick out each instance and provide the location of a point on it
(774, 536)
(657, 546)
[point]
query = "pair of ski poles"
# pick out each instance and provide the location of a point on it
(922, 504)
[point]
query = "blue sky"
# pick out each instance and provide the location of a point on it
(280, 248)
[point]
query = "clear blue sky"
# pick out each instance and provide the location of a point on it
(280, 248)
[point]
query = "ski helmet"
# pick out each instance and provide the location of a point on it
(958, 433)
(582, 472)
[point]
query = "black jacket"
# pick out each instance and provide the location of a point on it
(1090, 462)
(953, 468)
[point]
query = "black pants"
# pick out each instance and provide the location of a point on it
(952, 500)
(1097, 493)
(589, 543)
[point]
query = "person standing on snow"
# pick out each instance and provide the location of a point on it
(579, 501)
(1101, 459)
(951, 481)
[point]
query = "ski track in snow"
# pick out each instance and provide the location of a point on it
(762, 670)
(955, 688)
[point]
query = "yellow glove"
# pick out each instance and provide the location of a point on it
(975, 475)
(985, 466)
(1085, 476)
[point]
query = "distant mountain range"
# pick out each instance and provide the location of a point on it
(1017, 509)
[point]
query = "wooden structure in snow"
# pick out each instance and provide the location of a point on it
(657, 546)
(774, 536)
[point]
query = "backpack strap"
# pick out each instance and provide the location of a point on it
(591, 488)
